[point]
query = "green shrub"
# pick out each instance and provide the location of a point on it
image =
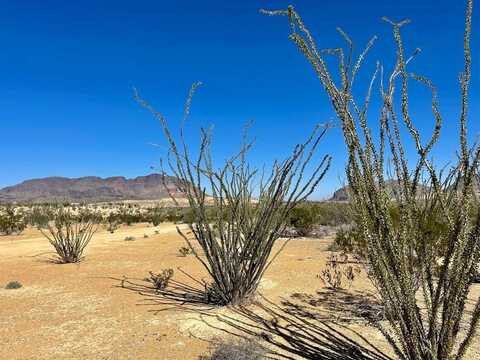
(303, 218)
(349, 240)
(13, 285)
(173, 215)
(156, 215)
(11, 221)
(433, 233)
(39, 216)
(112, 222)
(333, 214)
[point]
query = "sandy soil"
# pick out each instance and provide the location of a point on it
(82, 311)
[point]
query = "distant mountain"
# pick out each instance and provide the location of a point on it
(89, 189)
(342, 193)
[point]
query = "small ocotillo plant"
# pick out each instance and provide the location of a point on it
(250, 209)
(425, 308)
(70, 235)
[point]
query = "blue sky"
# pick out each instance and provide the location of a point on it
(68, 68)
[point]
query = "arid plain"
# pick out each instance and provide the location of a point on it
(102, 308)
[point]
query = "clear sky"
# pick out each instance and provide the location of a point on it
(67, 69)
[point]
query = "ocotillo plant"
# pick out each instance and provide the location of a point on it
(250, 207)
(70, 235)
(425, 305)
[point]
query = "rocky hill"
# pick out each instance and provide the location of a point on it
(342, 193)
(89, 189)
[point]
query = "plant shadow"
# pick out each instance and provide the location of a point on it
(176, 295)
(300, 327)
(289, 334)
(336, 305)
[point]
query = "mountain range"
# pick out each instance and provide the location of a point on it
(90, 189)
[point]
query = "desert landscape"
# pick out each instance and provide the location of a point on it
(221, 180)
(102, 308)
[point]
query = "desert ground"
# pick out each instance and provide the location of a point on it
(102, 308)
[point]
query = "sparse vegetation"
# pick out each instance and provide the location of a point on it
(338, 274)
(39, 216)
(129, 238)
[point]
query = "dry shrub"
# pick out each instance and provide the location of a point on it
(184, 251)
(161, 280)
(338, 274)
(236, 349)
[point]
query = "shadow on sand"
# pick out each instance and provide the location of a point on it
(177, 294)
(291, 330)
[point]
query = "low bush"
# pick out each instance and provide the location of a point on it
(156, 215)
(184, 251)
(160, 281)
(333, 213)
(128, 216)
(303, 218)
(112, 222)
(432, 233)
(243, 349)
(13, 285)
(39, 216)
(129, 238)
(173, 215)
(11, 221)
(349, 240)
